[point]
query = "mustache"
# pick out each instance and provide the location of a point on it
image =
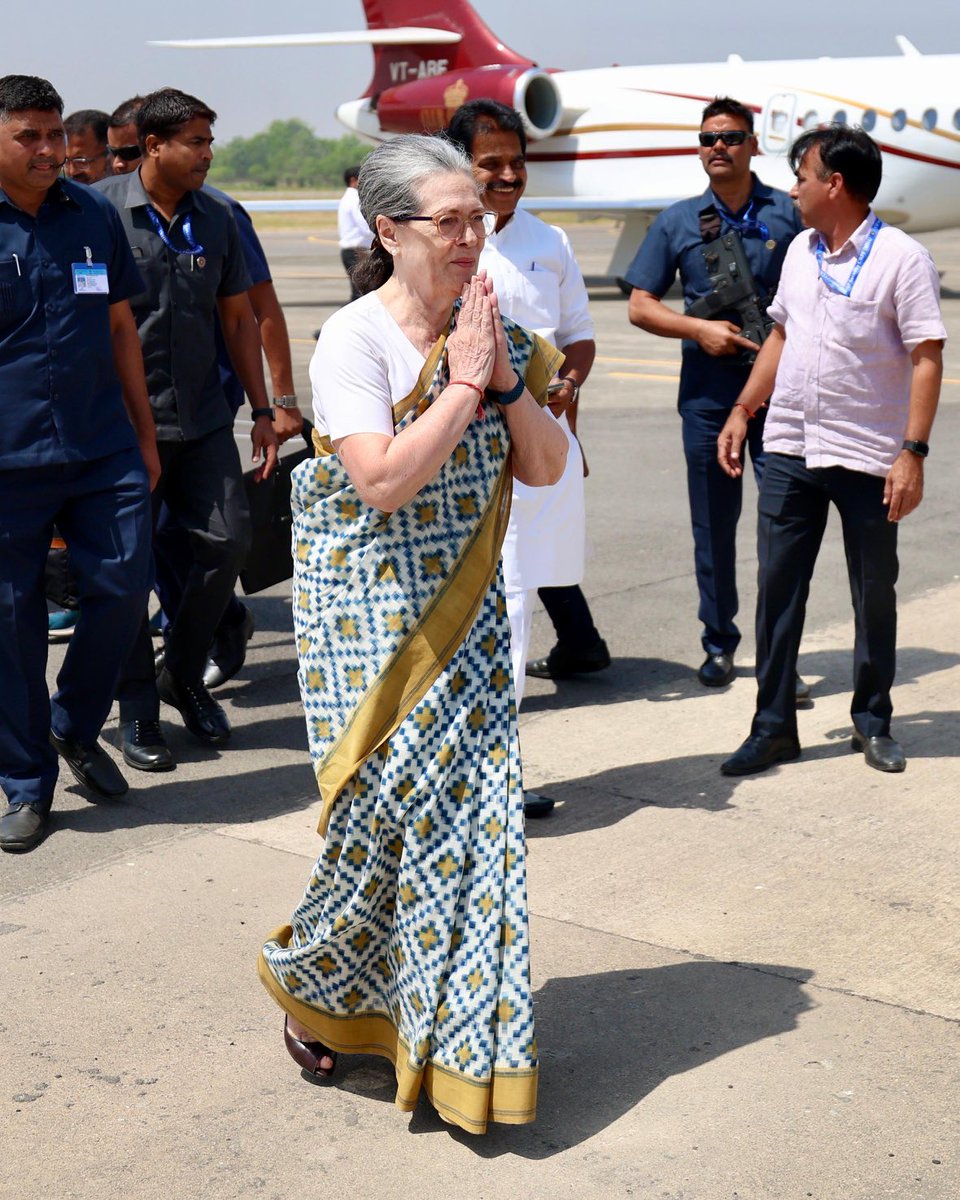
(502, 187)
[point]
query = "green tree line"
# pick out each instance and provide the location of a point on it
(287, 154)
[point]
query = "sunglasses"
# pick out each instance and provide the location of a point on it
(451, 227)
(729, 137)
(125, 153)
(82, 161)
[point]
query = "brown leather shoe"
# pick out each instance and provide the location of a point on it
(308, 1055)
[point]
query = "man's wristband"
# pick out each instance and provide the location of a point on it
(921, 449)
(750, 415)
(256, 413)
(507, 397)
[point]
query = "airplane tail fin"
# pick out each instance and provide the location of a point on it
(403, 63)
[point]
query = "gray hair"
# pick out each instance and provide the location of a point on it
(390, 178)
(389, 186)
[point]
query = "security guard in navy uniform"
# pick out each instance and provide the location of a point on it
(714, 365)
(189, 252)
(77, 448)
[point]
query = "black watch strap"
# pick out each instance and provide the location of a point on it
(261, 412)
(921, 449)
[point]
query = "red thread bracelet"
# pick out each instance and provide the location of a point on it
(466, 383)
(750, 415)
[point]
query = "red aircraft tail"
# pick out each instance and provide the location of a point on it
(394, 66)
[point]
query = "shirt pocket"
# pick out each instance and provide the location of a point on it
(856, 324)
(538, 293)
(16, 298)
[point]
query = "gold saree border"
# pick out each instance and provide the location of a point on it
(507, 1097)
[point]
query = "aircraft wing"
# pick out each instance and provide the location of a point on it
(357, 37)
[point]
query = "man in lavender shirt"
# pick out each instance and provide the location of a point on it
(854, 366)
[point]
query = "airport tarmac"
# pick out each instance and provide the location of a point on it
(745, 989)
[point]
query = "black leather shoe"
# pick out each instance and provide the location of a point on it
(201, 714)
(143, 746)
(159, 658)
(91, 766)
(561, 663)
(229, 651)
(717, 670)
(802, 693)
(881, 753)
(22, 827)
(535, 805)
(760, 751)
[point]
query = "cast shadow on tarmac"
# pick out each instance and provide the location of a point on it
(611, 1039)
(659, 680)
(608, 1040)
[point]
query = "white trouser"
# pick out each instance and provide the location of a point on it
(520, 615)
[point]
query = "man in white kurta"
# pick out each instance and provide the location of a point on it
(538, 285)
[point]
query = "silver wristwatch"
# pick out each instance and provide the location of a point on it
(285, 402)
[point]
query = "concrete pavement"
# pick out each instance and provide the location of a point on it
(745, 988)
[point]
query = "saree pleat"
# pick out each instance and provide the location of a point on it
(411, 939)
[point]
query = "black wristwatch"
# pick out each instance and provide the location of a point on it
(921, 449)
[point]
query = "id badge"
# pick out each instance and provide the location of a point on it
(90, 279)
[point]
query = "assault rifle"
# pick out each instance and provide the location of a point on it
(734, 290)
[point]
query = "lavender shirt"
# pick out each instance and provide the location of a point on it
(843, 384)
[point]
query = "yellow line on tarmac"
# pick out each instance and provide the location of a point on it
(638, 375)
(641, 362)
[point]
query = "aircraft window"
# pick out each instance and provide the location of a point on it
(839, 117)
(898, 120)
(929, 119)
(812, 118)
(869, 120)
(956, 119)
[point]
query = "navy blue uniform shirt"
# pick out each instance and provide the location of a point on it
(259, 271)
(59, 393)
(176, 313)
(674, 243)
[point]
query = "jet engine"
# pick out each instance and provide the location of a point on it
(426, 105)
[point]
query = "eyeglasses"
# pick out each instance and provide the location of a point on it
(125, 153)
(80, 161)
(729, 137)
(451, 227)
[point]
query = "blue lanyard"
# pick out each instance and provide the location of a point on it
(747, 224)
(193, 247)
(862, 257)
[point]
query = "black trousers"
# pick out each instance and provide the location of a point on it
(350, 257)
(793, 509)
(572, 620)
(201, 484)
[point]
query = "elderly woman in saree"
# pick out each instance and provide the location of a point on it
(411, 939)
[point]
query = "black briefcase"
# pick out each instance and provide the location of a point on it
(59, 581)
(270, 559)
